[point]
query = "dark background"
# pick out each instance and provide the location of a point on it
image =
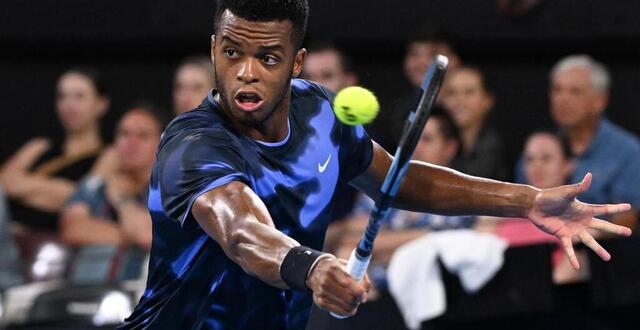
(136, 44)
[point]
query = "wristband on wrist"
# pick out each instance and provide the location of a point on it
(297, 265)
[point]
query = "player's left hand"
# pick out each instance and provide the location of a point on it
(557, 211)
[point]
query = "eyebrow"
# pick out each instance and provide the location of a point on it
(272, 47)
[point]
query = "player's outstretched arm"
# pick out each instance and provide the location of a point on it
(429, 188)
(235, 217)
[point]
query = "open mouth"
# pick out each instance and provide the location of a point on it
(248, 101)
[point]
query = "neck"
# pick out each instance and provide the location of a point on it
(469, 136)
(83, 141)
(581, 135)
(273, 129)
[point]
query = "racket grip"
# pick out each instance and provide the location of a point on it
(356, 267)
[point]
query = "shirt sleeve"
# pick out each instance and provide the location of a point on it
(90, 192)
(356, 152)
(190, 166)
(626, 188)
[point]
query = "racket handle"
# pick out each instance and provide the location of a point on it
(356, 267)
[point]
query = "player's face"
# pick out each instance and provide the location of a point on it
(545, 164)
(574, 101)
(137, 138)
(466, 99)
(433, 146)
(254, 63)
(78, 104)
(325, 68)
(190, 86)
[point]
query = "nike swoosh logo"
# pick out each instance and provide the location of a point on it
(323, 167)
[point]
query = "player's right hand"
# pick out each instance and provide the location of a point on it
(334, 290)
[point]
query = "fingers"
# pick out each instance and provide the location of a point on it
(335, 290)
(589, 241)
(584, 184)
(571, 254)
(609, 227)
(604, 209)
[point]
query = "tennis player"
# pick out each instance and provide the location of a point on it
(241, 190)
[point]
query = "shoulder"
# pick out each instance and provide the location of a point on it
(201, 125)
(307, 88)
(621, 138)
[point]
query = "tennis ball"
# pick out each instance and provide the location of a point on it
(355, 105)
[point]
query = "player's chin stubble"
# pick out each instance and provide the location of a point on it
(256, 118)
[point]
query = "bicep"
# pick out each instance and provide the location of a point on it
(229, 208)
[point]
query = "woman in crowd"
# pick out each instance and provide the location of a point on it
(467, 99)
(42, 174)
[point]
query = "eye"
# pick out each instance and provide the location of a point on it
(270, 60)
(231, 53)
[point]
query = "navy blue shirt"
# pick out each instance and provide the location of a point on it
(192, 284)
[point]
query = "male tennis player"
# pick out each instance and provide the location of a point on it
(241, 190)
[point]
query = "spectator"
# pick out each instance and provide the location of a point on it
(419, 55)
(466, 97)
(193, 79)
(111, 210)
(578, 96)
(329, 66)
(547, 164)
(42, 174)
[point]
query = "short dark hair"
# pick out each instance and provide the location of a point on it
(94, 76)
(156, 113)
(560, 136)
(296, 11)
(477, 70)
(202, 62)
(318, 46)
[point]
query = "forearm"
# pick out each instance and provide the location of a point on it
(240, 223)
(89, 231)
(434, 189)
(38, 191)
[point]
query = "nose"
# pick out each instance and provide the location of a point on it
(247, 72)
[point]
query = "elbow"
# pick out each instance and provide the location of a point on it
(241, 249)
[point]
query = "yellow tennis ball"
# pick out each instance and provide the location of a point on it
(355, 105)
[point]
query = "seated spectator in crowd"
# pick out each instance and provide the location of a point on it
(420, 53)
(467, 99)
(578, 96)
(193, 79)
(43, 173)
(438, 145)
(547, 164)
(9, 260)
(331, 67)
(112, 209)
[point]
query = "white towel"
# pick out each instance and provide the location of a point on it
(414, 277)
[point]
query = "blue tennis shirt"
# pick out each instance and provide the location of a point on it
(192, 284)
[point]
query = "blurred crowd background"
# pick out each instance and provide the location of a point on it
(538, 92)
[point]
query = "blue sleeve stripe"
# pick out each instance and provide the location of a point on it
(212, 185)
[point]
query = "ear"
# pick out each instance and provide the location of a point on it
(103, 105)
(601, 102)
(351, 79)
(213, 45)
(490, 100)
(297, 62)
(450, 151)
